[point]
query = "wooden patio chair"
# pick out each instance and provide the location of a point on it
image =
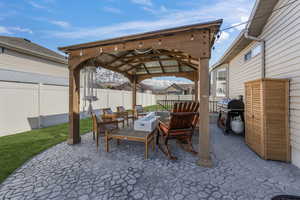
(180, 127)
(139, 111)
(127, 115)
(108, 114)
(100, 126)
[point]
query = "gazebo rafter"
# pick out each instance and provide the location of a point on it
(181, 52)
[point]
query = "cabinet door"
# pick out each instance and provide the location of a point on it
(248, 116)
(257, 117)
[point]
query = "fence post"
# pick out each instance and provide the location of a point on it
(107, 98)
(39, 105)
(122, 93)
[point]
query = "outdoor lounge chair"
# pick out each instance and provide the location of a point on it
(126, 114)
(100, 126)
(139, 111)
(108, 114)
(180, 127)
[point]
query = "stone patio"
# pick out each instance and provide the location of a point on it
(79, 172)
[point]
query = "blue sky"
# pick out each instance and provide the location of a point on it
(54, 23)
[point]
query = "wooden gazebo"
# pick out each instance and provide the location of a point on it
(182, 52)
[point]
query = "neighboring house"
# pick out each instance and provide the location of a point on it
(143, 88)
(24, 61)
(218, 81)
(33, 86)
(276, 55)
(179, 89)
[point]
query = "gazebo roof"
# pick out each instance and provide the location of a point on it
(133, 56)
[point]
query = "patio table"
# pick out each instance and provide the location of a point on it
(130, 134)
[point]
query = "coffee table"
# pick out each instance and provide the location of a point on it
(130, 134)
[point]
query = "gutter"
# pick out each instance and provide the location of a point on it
(262, 42)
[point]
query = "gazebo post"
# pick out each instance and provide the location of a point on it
(196, 87)
(74, 107)
(203, 96)
(134, 82)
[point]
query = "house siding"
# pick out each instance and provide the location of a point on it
(282, 36)
(12, 60)
(241, 71)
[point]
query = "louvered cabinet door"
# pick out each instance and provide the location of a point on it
(267, 118)
(257, 120)
(248, 116)
(276, 114)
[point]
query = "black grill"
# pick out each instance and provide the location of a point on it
(228, 109)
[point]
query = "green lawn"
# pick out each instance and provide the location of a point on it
(17, 149)
(154, 108)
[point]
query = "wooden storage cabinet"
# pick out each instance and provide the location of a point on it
(266, 118)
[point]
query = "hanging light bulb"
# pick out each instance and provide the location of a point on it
(192, 37)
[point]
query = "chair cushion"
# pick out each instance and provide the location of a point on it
(121, 109)
(139, 108)
(109, 111)
(164, 127)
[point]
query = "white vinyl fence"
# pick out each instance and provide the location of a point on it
(175, 97)
(26, 106)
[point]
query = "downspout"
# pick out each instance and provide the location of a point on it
(263, 51)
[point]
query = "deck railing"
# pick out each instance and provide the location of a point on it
(169, 104)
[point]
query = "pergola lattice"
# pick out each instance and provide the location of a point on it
(181, 52)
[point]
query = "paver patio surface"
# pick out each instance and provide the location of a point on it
(80, 172)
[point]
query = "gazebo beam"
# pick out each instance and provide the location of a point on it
(117, 58)
(132, 67)
(146, 69)
(161, 65)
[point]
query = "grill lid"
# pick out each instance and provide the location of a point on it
(231, 104)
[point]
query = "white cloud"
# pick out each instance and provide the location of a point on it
(4, 30)
(232, 11)
(112, 10)
(143, 2)
(62, 24)
(19, 29)
(41, 6)
(242, 23)
(157, 11)
(224, 36)
(36, 5)
(13, 30)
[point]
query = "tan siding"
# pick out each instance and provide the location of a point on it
(241, 71)
(12, 60)
(282, 35)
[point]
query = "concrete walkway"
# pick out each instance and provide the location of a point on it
(79, 172)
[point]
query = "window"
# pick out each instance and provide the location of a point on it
(1, 50)
(256, 50)
(253, 52)
(248, 56)
(221, 83)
